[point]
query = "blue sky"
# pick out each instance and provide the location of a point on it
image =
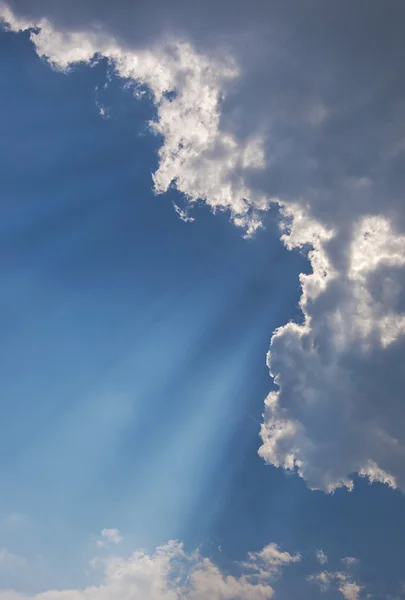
(133, 356)
(128, 334)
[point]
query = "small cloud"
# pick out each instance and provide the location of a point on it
(170, 573)
(350, 590)
(102, 109)
(339, 581)
(350, 561)
(110, 536)
(270, 561)
(183, 214)
(323, 579)
(321, 557)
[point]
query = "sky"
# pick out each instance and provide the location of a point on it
(202, 314)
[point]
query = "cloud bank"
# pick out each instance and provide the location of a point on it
(172, 574)
(299, 105)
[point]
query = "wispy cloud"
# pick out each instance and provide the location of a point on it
(109, 537)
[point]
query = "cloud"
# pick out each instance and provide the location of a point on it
(340, 384)
(350, 561)
(201, 161)
(326, 580)
(270, 561)
(297, 105)
(183, 214)
(172, 574)
(109, 536)
(321, 557)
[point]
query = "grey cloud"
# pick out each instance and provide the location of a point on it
(321, 83)
(313, 117)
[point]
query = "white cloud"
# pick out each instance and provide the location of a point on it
(375, 474)
(326, 580)
(321, 557)
(350, 561)
(110, 536)
(328, 419)
(203, 162)
(250, 114)
(349, 589)
(172, 574)
(270, 561)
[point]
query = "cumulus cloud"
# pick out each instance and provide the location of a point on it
(172, 574)
(270, 561)
(299, 105)
(340, 581)
(339, 380)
